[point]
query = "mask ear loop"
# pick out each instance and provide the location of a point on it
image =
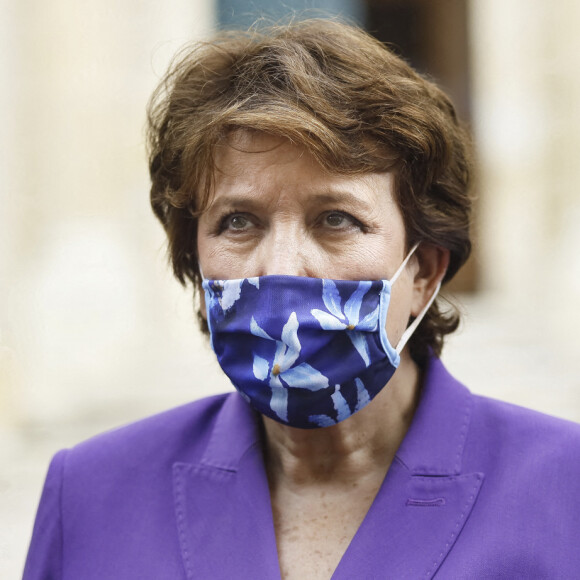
(411, 328)
(403, 264)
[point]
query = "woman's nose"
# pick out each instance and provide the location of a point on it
(285, 253)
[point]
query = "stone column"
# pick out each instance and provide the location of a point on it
(85, 289)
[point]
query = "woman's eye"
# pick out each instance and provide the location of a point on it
(236, 222)
(338, 220)
(239, 222)
(335, 220)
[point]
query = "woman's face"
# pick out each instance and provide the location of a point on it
(277, 211)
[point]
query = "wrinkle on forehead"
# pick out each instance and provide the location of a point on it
(275, 150)
(243, 146)
(253, 141)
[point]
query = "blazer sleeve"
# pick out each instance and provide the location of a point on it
(44, 560)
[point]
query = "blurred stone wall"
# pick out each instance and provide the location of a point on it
(89, 315)
(526, 87)
(520, 339)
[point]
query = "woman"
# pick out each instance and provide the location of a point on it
(315, 191)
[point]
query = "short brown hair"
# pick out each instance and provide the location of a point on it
(341, 94)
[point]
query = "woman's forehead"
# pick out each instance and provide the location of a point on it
(249, 160)
(242, 147)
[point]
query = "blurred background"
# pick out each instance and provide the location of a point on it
(94, 332)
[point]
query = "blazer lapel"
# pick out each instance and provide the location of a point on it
(410, 527)
(222, 504)
(425, 499)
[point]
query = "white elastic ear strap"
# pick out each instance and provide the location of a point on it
(411, 328)
(404, 263)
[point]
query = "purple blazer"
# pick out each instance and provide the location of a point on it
(478, 489)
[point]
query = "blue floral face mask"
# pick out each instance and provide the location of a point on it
(307, 352)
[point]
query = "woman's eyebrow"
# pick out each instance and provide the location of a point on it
(248, 200)
(340, 197)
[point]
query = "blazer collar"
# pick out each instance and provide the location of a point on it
(435, 441)
(236, 431)
(425, 499)
(224, 514)
(222, 503)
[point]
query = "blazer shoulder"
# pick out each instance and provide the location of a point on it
(101, 490)
(179, 434)
(532, 438)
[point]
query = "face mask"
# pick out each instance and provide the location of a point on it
(306, 352)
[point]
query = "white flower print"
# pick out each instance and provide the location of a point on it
(341, 406)
(349, 320)
(231, 290)
(282, 374)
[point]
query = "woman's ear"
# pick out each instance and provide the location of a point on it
(433, 262)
